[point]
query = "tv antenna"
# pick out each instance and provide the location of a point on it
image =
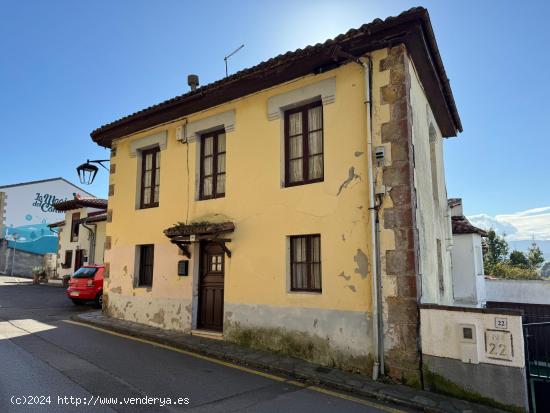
(231, 54)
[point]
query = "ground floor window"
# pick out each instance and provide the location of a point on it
(305, 263)
(68, 259)
(146, 261)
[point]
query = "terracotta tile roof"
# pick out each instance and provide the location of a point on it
(90, 219)
(454, 202)
(81, 203)
(203, 228)
(461, 225)
(412, 28)
(56, 224)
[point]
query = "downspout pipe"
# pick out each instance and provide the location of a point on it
(91, 258)
(378, 341)
(377, 315)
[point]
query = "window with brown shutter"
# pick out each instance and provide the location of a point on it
(212, 165)
(304, 145)
(75, 226)
(68, 259)
(146, 264)
(150, 178)
(305, 263)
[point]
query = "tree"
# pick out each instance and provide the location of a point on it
(535, 256)
(518, 259)
(497, 251)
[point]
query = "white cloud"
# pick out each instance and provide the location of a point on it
(522, 225)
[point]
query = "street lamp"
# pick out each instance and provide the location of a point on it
(87, 171)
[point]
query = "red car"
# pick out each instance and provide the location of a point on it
(86, 284)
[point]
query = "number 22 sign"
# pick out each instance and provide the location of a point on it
(498, 345)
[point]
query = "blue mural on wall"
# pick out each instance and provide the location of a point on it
(35, 237)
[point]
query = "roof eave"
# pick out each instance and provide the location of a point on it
(412, 28)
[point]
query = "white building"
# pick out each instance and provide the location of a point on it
(81, 234)
(467, 259)
(26, 209)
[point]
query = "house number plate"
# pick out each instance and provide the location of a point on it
(501, 323)
(498, 345)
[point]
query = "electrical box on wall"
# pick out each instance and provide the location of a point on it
(183, 268)
(180, 134)
(468, 343)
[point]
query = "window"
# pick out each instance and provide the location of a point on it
(305, 263)
(212, 178)
(440, 268)
(150, 178)
(85, 272)
(433, 164)
(75, 226)
(304, 144)
(146, 260)
(68, 259)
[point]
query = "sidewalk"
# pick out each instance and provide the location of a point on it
(21, 279)
(289, 366)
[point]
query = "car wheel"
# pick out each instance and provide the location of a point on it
(77, 302)
(99, 300)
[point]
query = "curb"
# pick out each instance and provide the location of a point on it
(292, 368)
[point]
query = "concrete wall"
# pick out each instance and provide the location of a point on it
(488, 366)
(467, 264)
(22, 265)
(518, 291)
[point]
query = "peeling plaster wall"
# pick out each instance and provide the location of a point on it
(331, 337)
(264, 213)
(168, 313)
(432, 217)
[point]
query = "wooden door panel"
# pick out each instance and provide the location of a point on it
(211, 288)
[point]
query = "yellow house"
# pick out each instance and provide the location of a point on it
(298, 205)
(81, 236)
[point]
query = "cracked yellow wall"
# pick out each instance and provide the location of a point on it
(264, 214)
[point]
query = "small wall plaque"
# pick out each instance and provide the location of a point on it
(183, 268)
(501, 323)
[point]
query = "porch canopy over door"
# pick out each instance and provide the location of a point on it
(184, 234)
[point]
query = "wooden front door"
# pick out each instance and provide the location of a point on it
(211, 282)
(78, 259)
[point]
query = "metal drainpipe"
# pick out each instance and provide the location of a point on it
(91, 258)
(378, 367)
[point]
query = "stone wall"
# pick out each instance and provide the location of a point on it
(398, 233)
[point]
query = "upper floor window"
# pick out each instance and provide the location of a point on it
(305, 263)
(150, 177)
(212, 168)
(304, 144)
(75, 226)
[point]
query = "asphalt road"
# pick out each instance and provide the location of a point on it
(45, 361)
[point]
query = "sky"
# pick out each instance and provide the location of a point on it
(68, 67)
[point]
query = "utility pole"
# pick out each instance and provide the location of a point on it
(13, 256)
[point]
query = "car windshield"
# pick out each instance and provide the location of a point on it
(85, 272)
